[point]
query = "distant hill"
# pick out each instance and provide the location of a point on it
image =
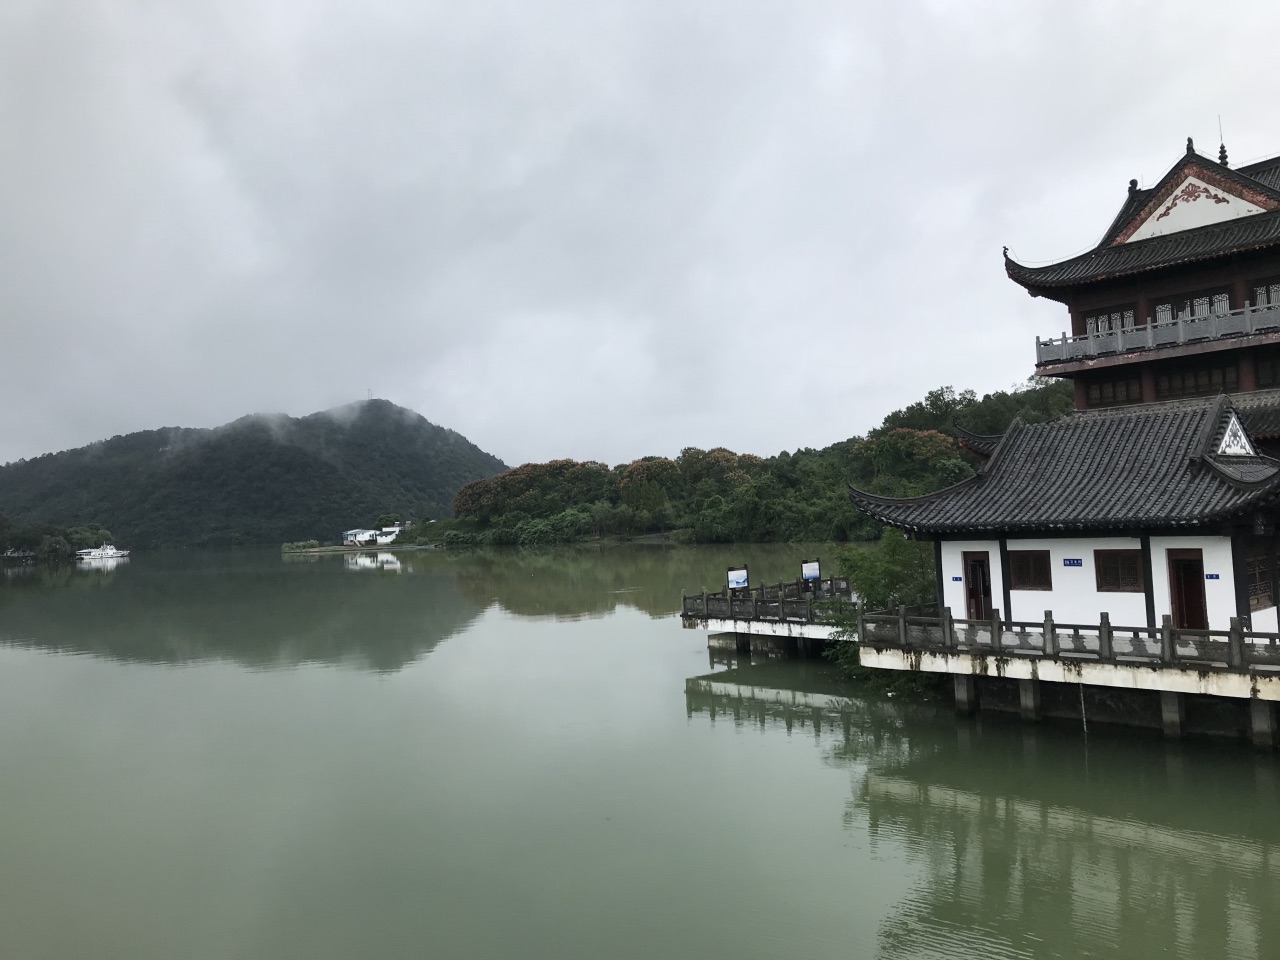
(259, 479)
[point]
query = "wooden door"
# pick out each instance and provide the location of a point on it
(977, 585)
(1186, 590)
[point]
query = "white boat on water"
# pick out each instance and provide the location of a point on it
(107, 551)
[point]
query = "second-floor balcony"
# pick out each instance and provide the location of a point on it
(1105, 338)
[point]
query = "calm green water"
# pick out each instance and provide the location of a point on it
(524, 755)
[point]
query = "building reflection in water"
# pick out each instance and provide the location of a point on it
(382, 560)
(1033, 842)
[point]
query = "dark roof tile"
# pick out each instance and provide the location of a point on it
(1112, 259)
(1259, 412)
(981, 444)
(1187, 246)
(1151, 466)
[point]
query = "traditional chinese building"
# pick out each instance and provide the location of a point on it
(1158, 494)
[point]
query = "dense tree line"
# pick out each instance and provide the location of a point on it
(718, 496)
(44, 542)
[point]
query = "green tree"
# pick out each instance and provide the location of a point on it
(895, 571)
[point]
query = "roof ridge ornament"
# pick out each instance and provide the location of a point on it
(1222, 154)
(1235, 442)
(1133, 187)
(1191, 147)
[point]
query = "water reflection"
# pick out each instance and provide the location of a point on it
(387, 562)
(257, 608)
(100, 563)
(1030, 842)
(593, 581)
(249, 608)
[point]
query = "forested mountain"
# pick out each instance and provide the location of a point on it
(718, 496)
(259, 479)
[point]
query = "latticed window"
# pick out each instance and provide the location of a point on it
(1119, 571)
(1197, 381)
(1257, 568)
(1266, 293)
(1111, 393)
(1029, 570)
(1195, 306)
(1117, 318)
(1268, 368)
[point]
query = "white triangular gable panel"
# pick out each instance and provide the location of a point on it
(1235, 442)
(1194, 204)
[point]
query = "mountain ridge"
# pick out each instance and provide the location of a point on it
(262, 478)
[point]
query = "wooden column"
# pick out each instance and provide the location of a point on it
(1148, 383)
(1248, 372)
(938, 581)
(1145, 541)
(1004, 578)
(1240, 572)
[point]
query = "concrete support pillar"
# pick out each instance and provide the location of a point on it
(743, 642)
(1173, 713)
(966, 693)
(1262, 713)
(1029, 699)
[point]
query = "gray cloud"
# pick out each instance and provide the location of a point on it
(584, 229)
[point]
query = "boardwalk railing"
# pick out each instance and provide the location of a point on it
(1234, 649)
(1106, 337)
(805, 601)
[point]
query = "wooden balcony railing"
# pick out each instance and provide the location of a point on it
(1107, 338)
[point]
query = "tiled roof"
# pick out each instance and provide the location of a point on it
(1111, 259)
(1187, 246)
(1259, 412)
(1264, 171)
(1151, 466)
(981, 444)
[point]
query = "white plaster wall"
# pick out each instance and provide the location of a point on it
(1265, 621)
(1219, 594)
(1075, 597)
(953, 573)
(1187, 214)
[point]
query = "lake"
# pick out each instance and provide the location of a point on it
(523, 754)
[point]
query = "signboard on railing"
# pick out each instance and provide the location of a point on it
(737, 577)
(810, 570)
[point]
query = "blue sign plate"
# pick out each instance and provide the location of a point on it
(1072, 562)
(1211, 576)
(958, 579)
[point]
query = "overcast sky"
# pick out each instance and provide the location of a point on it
(570, 229)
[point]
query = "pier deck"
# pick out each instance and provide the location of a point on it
(1237, 664)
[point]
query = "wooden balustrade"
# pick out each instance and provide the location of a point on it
(1107, 338)
(810, 601)
(1234, 649)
